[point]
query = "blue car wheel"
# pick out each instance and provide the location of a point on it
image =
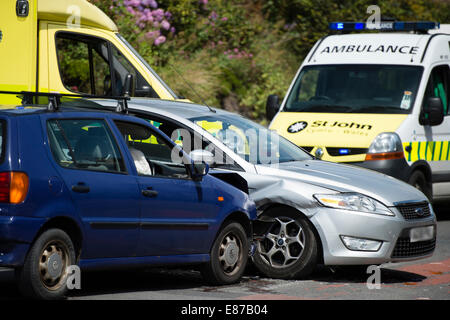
(229, 256)
(44, 273)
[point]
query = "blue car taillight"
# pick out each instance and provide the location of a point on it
(13, 187)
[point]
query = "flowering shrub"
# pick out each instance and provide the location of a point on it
(148, 17)
(237, 52)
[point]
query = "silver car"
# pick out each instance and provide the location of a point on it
(310, 211)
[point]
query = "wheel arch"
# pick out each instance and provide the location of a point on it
(69, 226)
(423, 167)
(240, 217)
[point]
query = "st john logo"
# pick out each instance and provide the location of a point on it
(297, 127)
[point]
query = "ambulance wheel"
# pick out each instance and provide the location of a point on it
(419, 181)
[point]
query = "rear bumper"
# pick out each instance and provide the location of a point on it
(16, 235)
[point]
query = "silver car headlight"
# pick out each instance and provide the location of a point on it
(353, 202)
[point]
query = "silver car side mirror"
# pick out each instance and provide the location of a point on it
(199, 156)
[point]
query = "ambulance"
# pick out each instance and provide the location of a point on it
(379, 100)
(69, 46)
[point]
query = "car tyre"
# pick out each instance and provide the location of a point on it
(228, 257)
(289, 249)
(44, 273)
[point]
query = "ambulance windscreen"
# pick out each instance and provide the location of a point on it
(355, 88)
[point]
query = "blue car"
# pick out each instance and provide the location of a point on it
(102, 190)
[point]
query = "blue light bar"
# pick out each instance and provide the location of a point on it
(385, 25)
(344, 151)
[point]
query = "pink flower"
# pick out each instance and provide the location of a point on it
(213, 15)
(153, 4)
(158, 14)
(152, 34)
(165, 25)
(224, 19)
(160, 40)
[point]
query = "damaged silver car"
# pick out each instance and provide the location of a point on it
(310, 211)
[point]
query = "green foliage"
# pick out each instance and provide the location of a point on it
(308, 19)
(234, 53)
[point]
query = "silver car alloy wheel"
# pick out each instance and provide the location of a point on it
(283, 244)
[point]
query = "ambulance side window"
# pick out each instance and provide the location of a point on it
(83, 64)
(439, 86)
(94, 66)
(123, 67)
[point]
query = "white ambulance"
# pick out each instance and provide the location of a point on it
(377, 100)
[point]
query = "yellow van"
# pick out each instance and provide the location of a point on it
(69, 46)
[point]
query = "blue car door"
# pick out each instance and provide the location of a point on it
(178, 215)
(106, 197)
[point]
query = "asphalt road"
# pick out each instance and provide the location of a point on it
(422, 279)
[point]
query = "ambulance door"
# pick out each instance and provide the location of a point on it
(436, 149)
(91, 61)
(18, 41)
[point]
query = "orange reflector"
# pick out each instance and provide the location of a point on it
(385, 156)
(19, 187)
(220, 199)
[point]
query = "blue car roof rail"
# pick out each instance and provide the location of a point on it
(29, 97)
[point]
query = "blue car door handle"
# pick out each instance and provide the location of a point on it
(80, 188)
(149, 193)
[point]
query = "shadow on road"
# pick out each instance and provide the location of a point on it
(359, 275)
(114, 282)
(111, 282)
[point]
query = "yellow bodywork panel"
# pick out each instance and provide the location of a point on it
(18, 49)
(336, 130)
(68, 11)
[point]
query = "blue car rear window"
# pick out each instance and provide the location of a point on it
(85, 144)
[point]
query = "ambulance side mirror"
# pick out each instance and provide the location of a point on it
(432, 112)
(129, 87)
(272, 106)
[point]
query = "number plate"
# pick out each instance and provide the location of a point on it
(421, 234)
